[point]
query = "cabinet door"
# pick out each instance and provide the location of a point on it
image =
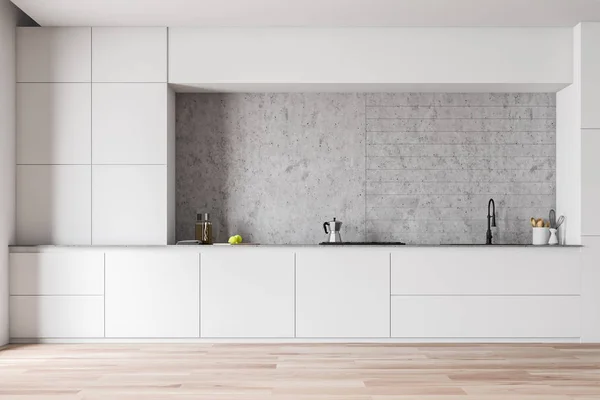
(129, 54)
(247, 293)
(54, 204)
(54, 123)
(342, 293)
(54, 55)
(129, 205)
(129, 123)
(486, 317)
(486, 271)
(56, 317)
(64, 273)
(152, 294)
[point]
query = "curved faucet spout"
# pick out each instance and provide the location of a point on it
(493, 215)
(491, 220)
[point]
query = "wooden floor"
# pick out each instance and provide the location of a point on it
(301, 371)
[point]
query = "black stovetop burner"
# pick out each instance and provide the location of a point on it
(362, 243)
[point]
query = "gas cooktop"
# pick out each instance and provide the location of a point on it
(362, 243)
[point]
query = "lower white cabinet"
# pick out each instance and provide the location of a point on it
(56, 317)
(342, 294)
(486, 317)
(152, 294)
(61, 273)
(487, 271)
(247, 293)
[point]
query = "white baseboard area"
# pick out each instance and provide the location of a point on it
(208, 341)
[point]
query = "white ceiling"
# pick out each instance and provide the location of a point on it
(310, 13)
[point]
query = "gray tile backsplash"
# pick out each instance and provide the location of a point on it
(416, 167)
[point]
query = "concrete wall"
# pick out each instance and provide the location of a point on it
(8, 18)
(413, 167)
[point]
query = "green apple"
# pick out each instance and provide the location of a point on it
(237, 239)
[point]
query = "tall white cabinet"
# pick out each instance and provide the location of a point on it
(95, 137)
(54, 177)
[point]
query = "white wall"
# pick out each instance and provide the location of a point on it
(463, 59)
(8, 18)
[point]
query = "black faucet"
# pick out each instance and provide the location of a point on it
(491, 218)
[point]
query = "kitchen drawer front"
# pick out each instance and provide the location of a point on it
(486, 317)
(56, 317)
(152, 294)
(487, 271)
(57, 273)
(342, 293)
(247, 293)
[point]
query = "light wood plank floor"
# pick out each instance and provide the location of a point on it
(301, 372)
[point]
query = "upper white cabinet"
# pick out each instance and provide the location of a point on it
(54, 55)
(54, 123)
(152, 294)
(54, 204)
(247, 293)
(590, 75)
(129, 54)
(357, 59)
(129, 123)
(342, 293)
(129, 205)
(590, 177)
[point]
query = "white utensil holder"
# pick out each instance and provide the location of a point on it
(540, 236)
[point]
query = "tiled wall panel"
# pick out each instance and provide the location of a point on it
(435, 159)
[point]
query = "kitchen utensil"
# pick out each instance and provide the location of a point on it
(562, 233)
(553, 238)
(552, 218)
(560, 221)
(334, 231)
(540, 236)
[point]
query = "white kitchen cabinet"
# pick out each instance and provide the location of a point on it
(129, 54)
(247, 293)
(56, 317)
(63, 273)
(590, 74)
(129, 205)
(152, 294)
(486, 317)
(129, 123)
(590, 291)
(590, 176)
(54, 54)
(54, 123)
(53, 204)
(472, 271)
(342, 293)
